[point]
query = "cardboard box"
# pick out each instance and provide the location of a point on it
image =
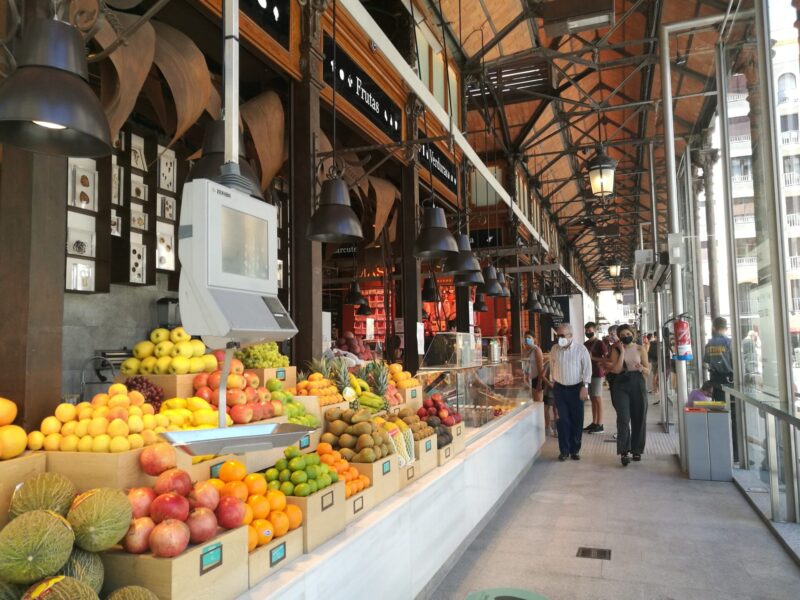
(426, 453)
(13, 472)
(269, 558)
(286, 375)
(359, 504)
(459, 439)
(264, 459)
(408, 474)
(89, 470)
(382, 475)
(311, 404)
(446, 454)
(216, 570)
(412, 397)
(323, 515)
(174, 386)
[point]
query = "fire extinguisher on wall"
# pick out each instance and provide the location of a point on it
(683, 338)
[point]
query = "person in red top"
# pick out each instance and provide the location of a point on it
(598, 351)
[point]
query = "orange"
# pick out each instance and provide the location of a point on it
(237, 489)
(232, 470)
(348, 491)
(324, 448)
(259, 505)
(295, 516)
(264, 531)
(217, 483)
(366, 480)
(252, 538)
(326, 459)
(280, 522)
(337, 455)
(8, 411)
(256, 484)
(248, 515)
(277, 500)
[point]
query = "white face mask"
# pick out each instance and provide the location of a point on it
(563, 342)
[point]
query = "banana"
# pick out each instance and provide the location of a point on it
(363, 384)
(354, 383)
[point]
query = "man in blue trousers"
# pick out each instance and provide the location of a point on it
(571, 370)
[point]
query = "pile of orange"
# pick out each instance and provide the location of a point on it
(354, 482)
(317, 385)
(267, 515)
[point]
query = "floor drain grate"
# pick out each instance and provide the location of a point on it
(599, 553)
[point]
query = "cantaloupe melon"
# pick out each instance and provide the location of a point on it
(60, 588)
(132, 592)
(45, 491)
(10, 591)
(86, 567)
(34, 545)
(100, 518)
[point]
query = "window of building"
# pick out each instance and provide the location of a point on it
(791, 164)
(787, 84)
(790, 123)
(741, 168)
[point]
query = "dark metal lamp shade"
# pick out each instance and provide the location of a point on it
(334, 221)
(354, 295)
(364, 310)
(464, 261)
(530, 301)
(465, 279)
(491, 285)
(501, 279)
(479, 304)
(434, 240)
(46, 104)
(429, 293)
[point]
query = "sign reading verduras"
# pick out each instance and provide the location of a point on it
(442, 167)
(361, 91)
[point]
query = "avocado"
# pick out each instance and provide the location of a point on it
(337, 427)
(434, 421)
(364, 441)
(347, 441)
(333, 414)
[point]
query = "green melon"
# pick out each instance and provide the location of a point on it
(45, 491)
(86, 567)
(100, 518)
(132, 592)
(10, 591)
(60, 587)
(34, 545)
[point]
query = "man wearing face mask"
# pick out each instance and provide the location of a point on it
(535, 365)
(571, 371)
(598, 352)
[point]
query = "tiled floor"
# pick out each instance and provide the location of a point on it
(670, 538)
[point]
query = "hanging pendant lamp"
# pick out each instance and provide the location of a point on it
(434, 240)
(602, 169)
(429, 292)
(354, 295)
(491, 286)
(504, 291)
(530, 301)
(46, 104)
(464, 261)
(479, 305)
(364, 310)
(334, 221)
(465, 279)
(537, 304)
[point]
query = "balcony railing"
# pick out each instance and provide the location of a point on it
(744, 219)
(794, 263)
(790, 137)
(791, 179)
(788, 96)
(741, 139)
(742, 179)
(736, 97)
(747, 261)
(793, 220)
(795, 304)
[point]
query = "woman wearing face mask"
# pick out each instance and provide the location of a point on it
(535, 365)
(629, 394)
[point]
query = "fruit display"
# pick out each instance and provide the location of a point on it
(357, 437)
(402, 379)
(362, 389)
(152, 393)
(354, 482)
(169, 353)
(262, 356)
(13, 439)
(300, 474)
(350, 343)
(319, 383)
(191, 413)
(435, 406)
(116, 421)
(419, 428)
(401, 436)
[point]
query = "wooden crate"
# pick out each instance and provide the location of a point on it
(382, 475)
(216, 570)
(426, 453)
(286, 375)
(311, 404)
(412, 397)
(323, 515)
(174, 386)
(446, 454)
(272, 557)
(13, 472)
(408, 474)
(89, 470)
(358, 505)
(459, 442)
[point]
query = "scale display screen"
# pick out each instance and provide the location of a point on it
(244, 244)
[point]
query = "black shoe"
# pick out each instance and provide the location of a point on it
(637, 457)
(590, 428)
(575, 456)
(562, 457)
(626, 460)
(598, 428)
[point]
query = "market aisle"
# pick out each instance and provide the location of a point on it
(669, 537)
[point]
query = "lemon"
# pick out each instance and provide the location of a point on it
(101, 443)
(119, 444)
(85, 444)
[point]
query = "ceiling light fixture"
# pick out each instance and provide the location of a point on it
(434, 240)
(429, 291)
(354, 295)
(491, 286)
(602, 169)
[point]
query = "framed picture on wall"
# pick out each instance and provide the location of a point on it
(166, 171)
(166, 207)
(138, 160)
(166, 252)
(138, 219)
(116, 224)
(138, 188)
(80, 241)
(84, 189)
(80, 275)
(137, 263)
(117, 178)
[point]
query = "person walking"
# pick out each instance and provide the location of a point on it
(598, 352)
(571, 369)
(535, 368)
(629, 395)
(652, 358)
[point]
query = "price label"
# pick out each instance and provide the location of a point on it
(387, 466)
(305, 442)
(428, 445)
(210, 558)
(277, 554)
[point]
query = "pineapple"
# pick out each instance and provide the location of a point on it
(340, 374)
(301, 376)
(321, 366)
(362, 372)
(379, 378)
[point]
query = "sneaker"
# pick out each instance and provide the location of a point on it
(613, 436)
(598, 428)
(626, 460)
(637, 457)
(575, 456)
(562, 457)
(589, 428)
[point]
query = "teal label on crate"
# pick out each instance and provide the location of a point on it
(277, 554)
(326, 501)
(428, 445)
(305, 442)
(215, 470)
(414, 393)
(387, 466)
(281, 374)
(210, 558)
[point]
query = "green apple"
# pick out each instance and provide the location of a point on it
(163, 364)
(159, 335)
(196, 365)
(144, 349)
(198, 347)
(183, 349)
(130, 366)
(164, 348)
(148, 366)
(179, 335)
(210, 362)
(179, 365)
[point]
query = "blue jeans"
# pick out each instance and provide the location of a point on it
(570, 417)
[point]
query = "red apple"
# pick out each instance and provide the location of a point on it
(200, 380)
(157, 458)
(443, 414)
(449, 421)
(422, 413)
(267, 410)
(278, 406)
(169, 538)
(236, 381)
(436, 397)
(457, 417)
(205, 393)
(241, 414)
(136, 541)
(214, 397)
(204, 495)
(263, 393)
(250, 394)
(140, 499)
(427, 403)
(258, 410)
(173, 480)
(214, 379)
(432, 412)
(252, 380)
(220, 356)
(235, 396)
(169, 506)
(230, 512)
(202, 524)
(237, 366)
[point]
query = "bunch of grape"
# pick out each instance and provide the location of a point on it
(263, 356)
(151, 392)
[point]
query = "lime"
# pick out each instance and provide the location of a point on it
(313, 458)
(334, 476)
(312, 484)
(285, 475)
(287, 487)
(324, 481)
(324, 469)
(282, 464)
(291, 452)
(312, 471)
(272, 474)
(297, 464)
(299, 477)
(274, 485)
(302, 490)
(274, 385)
